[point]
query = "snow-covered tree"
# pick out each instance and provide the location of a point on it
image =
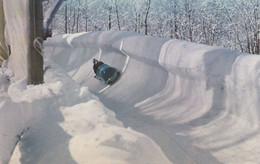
(233, 24)
(49, 15)
(3, 47)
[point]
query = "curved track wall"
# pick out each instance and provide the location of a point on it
(198, 103)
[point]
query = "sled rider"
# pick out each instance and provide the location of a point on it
(96, 64)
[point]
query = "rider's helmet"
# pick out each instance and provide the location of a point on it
(95, 61)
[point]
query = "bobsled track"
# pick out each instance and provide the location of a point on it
(199, 104)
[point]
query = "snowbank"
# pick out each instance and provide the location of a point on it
(175, 102)
(4, 82)
(62, 122)
(202, 100)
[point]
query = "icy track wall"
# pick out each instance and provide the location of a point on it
(209, 94)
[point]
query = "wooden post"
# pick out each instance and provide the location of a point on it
(34, 58)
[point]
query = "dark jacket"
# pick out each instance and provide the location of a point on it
(96, 65)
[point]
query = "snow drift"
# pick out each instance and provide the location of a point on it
(175, 102)
(62, 122)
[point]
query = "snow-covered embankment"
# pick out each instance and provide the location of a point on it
(198, 103)
(190, 103)
(60, 121)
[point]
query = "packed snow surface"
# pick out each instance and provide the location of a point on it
(175, 102)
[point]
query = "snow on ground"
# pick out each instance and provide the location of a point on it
(4, 78)
(176, 102)
(62, 122)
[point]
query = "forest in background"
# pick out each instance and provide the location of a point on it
(233, 24)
